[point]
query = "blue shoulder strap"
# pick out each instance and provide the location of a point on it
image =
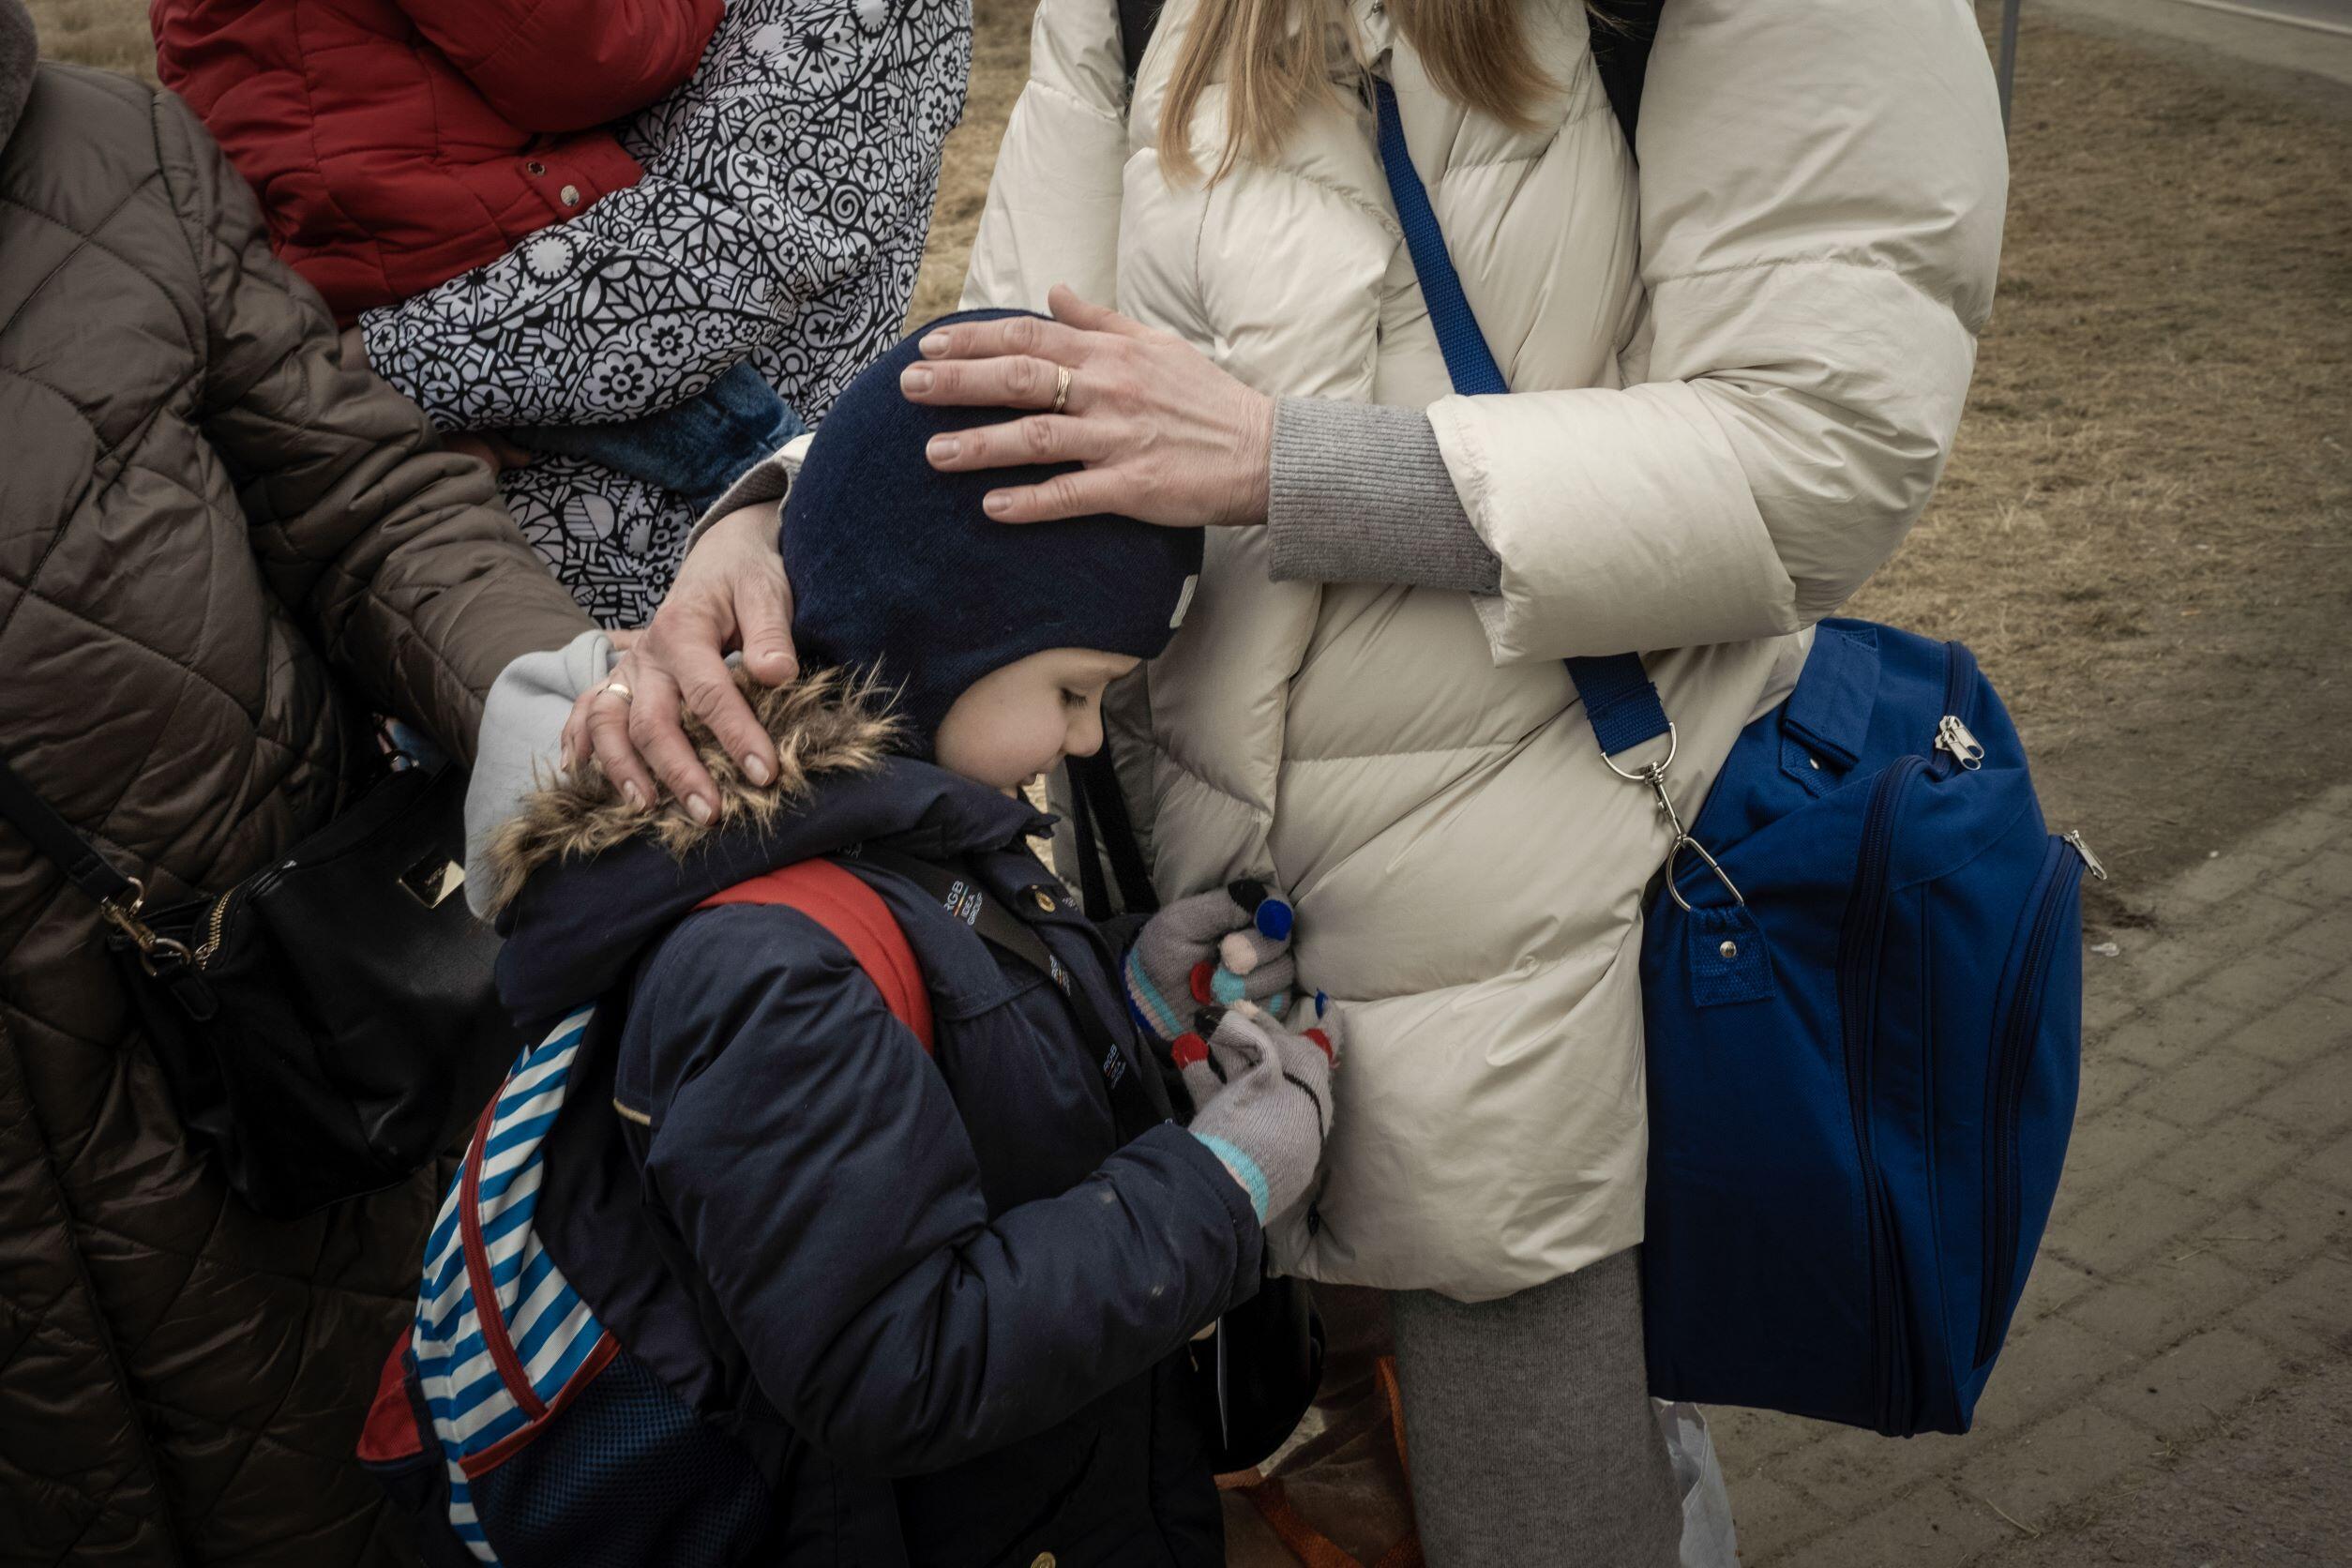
(1620, 701)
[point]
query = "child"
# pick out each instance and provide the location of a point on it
(863, 1305)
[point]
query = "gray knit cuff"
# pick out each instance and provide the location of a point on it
(1361, 493)
(766, 481)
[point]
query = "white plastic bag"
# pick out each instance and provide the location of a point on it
(1708, 1538)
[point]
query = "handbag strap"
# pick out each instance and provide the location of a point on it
(1099, 810)
(1137, 21)
(1620, 701)
(56, 837)
(118, 895)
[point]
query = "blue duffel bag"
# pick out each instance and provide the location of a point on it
(1861, 984)
(1864, 1013)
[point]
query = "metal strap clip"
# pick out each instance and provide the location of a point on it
(1654, 776)
(123, 916)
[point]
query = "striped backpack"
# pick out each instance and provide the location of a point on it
(508, 1420)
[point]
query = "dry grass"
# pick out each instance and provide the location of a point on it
(2141, 533)
(109, 33)
(2141, 530)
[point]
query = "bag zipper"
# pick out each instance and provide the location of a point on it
(216, 921)
(1954, 738)
(2073, 838)
(2019, 1030)
(211, 944)
(1858, 986)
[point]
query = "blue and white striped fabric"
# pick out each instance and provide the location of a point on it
(552, 1332)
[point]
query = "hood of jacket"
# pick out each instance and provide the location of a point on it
(593, 883)
(19, 53)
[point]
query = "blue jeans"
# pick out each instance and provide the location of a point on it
(694, 449)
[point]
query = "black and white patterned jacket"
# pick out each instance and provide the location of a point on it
(787, 193)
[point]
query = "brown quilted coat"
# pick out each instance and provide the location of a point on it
(218, 549)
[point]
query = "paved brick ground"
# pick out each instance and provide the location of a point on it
(2199, 1258)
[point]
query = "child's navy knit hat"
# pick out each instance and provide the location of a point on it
(894, 564)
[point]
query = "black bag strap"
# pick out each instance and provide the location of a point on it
(118, 895)
(56, 837)
(1137, 19)
(1094, 896)
(1131, 1105)
(1621, 50)
(1100, 812)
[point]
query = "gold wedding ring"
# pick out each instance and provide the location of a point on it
(1061, 386)
(620, 688)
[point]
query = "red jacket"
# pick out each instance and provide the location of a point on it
(396, 144)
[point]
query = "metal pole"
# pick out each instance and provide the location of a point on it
(2009, 55)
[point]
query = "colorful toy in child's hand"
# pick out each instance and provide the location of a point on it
(1224, 947)
(1263, 1098)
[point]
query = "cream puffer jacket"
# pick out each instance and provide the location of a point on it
(1727, 408)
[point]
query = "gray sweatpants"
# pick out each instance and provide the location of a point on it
(1529, 1426)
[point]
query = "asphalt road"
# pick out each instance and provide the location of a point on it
(2313, 37)
(2323, 15)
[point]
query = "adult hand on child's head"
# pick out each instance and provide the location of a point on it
(1229, 945)
(730, 596)
(1263, 1097)
(1165, 435)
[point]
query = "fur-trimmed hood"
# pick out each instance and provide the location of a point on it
(830, 723)
(587, 884)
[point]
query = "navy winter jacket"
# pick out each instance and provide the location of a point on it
(938, 1305)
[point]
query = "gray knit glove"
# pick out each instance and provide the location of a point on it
(1263, 1095)
(1211, 949)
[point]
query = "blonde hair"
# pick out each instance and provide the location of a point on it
(1277, 56)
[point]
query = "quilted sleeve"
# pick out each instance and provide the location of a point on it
(823, 142)
(568, 65)
(1052, 212)
(395, 557)
(1821, 197)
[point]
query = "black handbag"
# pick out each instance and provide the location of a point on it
(330, 1023)
(1258, 1371)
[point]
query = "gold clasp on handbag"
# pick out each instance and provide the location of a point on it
(124, 917)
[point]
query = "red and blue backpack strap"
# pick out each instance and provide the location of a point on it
(857, 918)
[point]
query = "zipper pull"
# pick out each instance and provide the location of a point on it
(1953, 736)
(211, 944)
(2091, 861)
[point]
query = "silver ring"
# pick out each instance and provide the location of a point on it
(621, 688)
(1061, 387)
